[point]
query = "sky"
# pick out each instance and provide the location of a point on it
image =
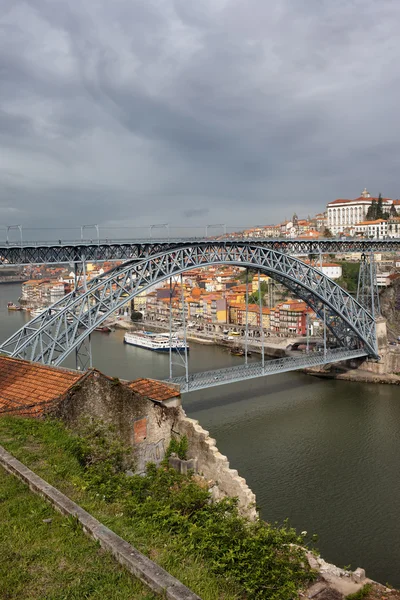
(134, 113)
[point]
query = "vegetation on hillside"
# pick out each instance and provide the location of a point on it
(166, 515)
(44, 554)
(349, 278)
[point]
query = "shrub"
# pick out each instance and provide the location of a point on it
(179, 447)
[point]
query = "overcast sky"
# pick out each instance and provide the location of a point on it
(134, 112)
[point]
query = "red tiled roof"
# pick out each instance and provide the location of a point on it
(27, 388)
(154, 390)
(359, 199)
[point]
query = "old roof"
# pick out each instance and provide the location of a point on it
(154, 390)
(26, 388)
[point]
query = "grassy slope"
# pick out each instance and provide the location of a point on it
(43, 447)
(53, 560)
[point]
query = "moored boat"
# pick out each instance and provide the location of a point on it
(236, 351)
(158, 342)
(36, 312)
(103, 329)
(12, 306)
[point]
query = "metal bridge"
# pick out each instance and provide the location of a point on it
(26, 253)
(206, 379)
(66, 326)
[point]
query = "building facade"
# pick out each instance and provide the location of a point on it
(346, 214)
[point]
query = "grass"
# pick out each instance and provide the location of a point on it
(44, 447)
(53, 560)
(362, 592)
(166, 516)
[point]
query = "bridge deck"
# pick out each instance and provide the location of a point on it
(199, 381)
(123, 250)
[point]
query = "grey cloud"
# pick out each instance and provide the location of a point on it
(230, 110)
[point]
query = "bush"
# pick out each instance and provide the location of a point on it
(265, 560)
(104, 456)
(179, 447)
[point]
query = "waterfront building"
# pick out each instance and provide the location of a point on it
(237, 315)
(35, 291)
(290, 318)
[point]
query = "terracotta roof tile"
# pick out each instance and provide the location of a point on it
(27, 387)
(154, 390)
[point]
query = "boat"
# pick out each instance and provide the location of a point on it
(236, 351)
(103, 329)
(12, 306)
(158, 342)
(36, 312)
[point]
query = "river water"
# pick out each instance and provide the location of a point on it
(325, 454)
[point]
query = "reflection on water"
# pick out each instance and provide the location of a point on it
(323, 453)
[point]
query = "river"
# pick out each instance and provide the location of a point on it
(322, 453)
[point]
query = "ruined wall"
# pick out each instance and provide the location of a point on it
(141, 424)
(214, 466)
(147, 428)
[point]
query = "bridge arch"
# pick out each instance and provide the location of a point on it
(63, 327)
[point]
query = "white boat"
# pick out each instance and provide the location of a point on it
(36, 312)
(158, 342)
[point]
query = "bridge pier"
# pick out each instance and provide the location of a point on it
(380, 367)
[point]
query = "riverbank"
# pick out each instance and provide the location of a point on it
(273, 346)
(357, 376)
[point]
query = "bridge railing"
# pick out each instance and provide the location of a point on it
(180, 240)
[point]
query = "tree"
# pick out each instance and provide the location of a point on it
(254, 297)
(372, 211)
(393, 211)
(327, 233)
(136, 316)
(379, 208)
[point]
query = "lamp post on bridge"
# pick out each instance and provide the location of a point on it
(161, 226)
(95, 226)
(11, 228)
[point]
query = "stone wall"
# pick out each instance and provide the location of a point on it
(214, 466)
(143, 425)
(147, 427)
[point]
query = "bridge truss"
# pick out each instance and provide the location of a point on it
(75, 252)
(65, 326)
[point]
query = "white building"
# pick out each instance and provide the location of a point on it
(344, 214)
(382, 279)
(375, 230)
(57, 292)
(393, 226)
(332, 270)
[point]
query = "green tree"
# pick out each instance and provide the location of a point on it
(254, 297)
(327, 233)
(372, 211)
(136, 316)
(379, 208)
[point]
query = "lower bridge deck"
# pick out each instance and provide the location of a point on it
(206, 379)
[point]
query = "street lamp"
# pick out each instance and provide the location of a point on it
(14, 227)
(161, 226)
(95, 226)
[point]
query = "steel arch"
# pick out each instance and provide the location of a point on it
(52, 336)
